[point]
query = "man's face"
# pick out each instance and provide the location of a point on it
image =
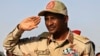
(54, 23)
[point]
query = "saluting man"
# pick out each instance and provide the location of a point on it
(58, 41)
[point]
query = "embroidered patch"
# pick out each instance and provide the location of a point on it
(42, 52)
(50, 5)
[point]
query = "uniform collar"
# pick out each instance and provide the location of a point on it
(69, 39)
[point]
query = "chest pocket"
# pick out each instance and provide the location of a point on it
(45, 52)
(42, 48)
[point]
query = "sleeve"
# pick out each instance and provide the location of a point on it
(12, 38)
(89, 51)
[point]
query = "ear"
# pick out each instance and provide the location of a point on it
(66, 19)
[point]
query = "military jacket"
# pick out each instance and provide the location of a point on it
(45, 45)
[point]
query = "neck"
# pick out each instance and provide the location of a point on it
(61, 35)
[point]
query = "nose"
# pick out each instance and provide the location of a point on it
(49, 22)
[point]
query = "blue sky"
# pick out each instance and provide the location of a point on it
(83, 15)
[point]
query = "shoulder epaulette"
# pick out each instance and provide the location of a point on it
(81, 38)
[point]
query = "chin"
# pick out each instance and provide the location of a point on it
(51, 32)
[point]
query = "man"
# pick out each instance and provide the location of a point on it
(58, 41)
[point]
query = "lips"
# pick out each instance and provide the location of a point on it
(51, 28)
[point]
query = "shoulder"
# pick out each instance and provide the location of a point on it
(41, 36)
(28, 39)
(81, 38)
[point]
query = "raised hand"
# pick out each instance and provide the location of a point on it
(29, 23)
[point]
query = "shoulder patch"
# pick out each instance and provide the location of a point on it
(81, 38)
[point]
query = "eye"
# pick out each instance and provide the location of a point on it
(46, 19)
(53, 18)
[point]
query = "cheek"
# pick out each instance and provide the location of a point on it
(60, 24)
(45, 24)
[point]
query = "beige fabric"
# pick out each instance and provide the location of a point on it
(39, 46)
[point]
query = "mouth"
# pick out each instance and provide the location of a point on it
(51, 28)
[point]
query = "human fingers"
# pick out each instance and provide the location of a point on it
(36, 20)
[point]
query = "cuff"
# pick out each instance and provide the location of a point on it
(17, 32)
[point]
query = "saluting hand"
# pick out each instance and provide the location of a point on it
(29, 23)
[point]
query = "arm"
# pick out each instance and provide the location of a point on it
(89, 51)
(13, 37)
